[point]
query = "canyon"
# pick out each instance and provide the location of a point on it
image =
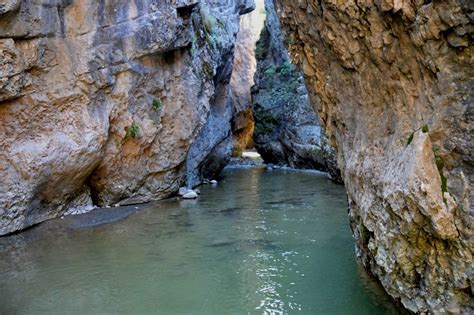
(116, 103)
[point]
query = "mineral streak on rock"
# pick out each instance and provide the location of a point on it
(393, 84)
(100, 101)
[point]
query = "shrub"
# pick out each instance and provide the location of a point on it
(132, 131)
(270, 70)
(156, 104)
(286, 68)
(424, 129)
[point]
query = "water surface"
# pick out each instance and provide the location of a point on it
(261, 242)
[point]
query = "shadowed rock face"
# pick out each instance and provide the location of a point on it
(287, 130)
(393, 84)
(100, 101)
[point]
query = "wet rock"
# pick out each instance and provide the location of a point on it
(213, 182)
(392, 83)
(183, 191)
(190, 195)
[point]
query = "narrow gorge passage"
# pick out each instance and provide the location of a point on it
(115, 115)
(261, 242)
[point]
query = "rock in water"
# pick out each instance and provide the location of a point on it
(213, 182)
(393, 85)
(183, 191)
(102, 103)
(190, 195)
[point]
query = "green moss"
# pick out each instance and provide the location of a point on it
(132, 131)
(425, 128)
(156, 104)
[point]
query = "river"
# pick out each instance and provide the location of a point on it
(260, 242)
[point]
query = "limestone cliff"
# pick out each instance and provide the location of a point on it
(242, 79)
(287, 130)
(101, 101)
(393, 84)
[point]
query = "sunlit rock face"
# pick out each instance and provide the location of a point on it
(287, 129)
(245, 65)
(100, 101)
(393, 84)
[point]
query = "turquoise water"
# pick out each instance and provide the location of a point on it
(261, 242)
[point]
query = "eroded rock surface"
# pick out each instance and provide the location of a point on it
(393, 83)
(287, 130)
(100, 101)
(245, 66)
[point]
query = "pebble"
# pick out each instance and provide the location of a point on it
(213, 182)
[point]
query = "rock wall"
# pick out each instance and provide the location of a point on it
(242, 79)
(101, 101)
(287, 130)
(393, 84)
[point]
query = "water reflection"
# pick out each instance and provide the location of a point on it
(259, 243)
